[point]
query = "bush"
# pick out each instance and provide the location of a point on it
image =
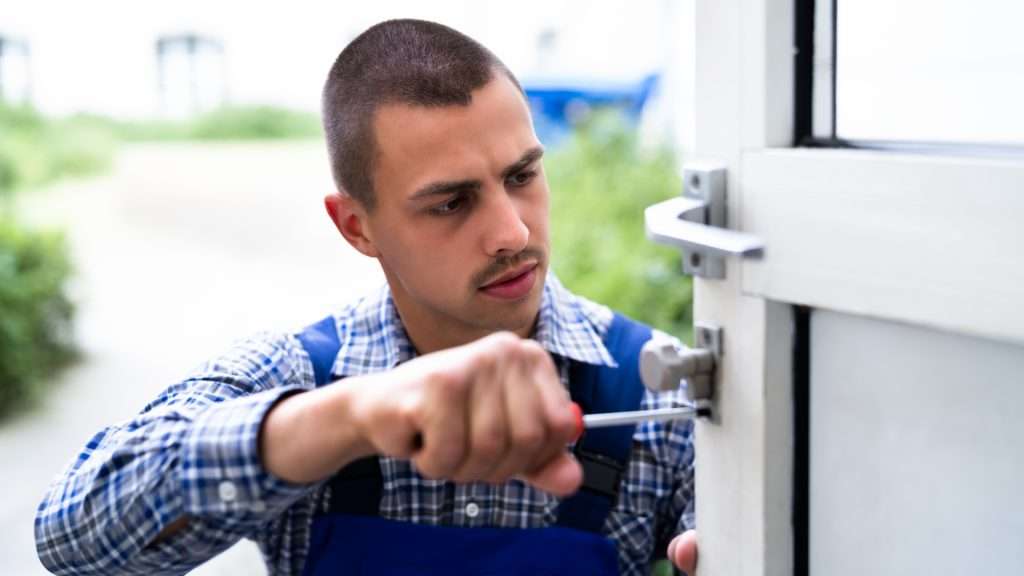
(226, 123)
(34, 150)
(256, 122)
(35, 312)
(601, 181)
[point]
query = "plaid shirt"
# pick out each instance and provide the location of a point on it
(193, 452)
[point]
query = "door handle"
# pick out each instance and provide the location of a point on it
(695, 222)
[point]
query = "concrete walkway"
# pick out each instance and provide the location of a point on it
(180, 250)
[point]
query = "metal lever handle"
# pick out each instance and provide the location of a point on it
(695, 222)
(667, 223)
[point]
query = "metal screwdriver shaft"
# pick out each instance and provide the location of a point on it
(636, 416)
(632, 418)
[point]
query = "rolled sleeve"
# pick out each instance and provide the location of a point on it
(222, 474)
(192, 453)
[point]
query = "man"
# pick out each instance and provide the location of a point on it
(422, 430)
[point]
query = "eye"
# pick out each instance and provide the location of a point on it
(451, 206)
(520, 179)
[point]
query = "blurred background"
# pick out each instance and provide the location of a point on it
(161, 181)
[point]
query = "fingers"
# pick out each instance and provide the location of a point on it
(488, 427)
(682, 552)
(526, 429)
(488, 411)
(443, 426)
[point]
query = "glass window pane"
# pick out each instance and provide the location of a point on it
(930, 71)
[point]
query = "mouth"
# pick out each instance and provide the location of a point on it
(513, 284)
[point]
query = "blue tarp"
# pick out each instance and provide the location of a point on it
(558, 104)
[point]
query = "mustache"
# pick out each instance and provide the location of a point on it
(503, 264)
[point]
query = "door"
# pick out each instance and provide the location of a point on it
(866, 411)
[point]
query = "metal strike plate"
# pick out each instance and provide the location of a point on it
(695, 222)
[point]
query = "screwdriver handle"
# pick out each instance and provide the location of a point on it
(577, 413)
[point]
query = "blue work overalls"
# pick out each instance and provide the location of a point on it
(350, 538)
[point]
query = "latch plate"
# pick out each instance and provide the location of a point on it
(707, 185)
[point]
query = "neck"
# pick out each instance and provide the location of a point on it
(428, 332)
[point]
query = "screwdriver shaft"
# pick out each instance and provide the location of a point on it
(636, 416)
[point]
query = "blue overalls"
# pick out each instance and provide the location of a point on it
(350, 538)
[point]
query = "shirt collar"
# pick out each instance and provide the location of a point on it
(571, 326)
(373, 338)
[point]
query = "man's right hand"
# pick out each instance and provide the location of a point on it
(488, 411)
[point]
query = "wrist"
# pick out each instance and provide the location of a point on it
(346, 428)
(307, 437)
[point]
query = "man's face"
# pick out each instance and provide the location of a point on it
(461, 220)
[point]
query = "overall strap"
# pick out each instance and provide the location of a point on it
(604, 452)
(360, 482)
(321, 343)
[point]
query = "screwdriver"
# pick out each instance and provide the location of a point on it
(633, 417)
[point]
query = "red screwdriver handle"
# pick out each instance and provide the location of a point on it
(578, 414)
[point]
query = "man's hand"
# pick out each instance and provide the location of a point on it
(486, 411)
(682, 552)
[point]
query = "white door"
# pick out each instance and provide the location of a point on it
(869, 396)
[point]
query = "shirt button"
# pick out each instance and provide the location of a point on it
(227, 491)
(472, 510)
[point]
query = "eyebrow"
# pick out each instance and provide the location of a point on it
(448, 187)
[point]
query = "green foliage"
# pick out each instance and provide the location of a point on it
(35, 312)
(256, 122)
(662, 568)
(226, 123)
(35, 150)
(601, 181)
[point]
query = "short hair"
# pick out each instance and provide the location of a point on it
(412, 62)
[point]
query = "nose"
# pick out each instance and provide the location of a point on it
(505, 233)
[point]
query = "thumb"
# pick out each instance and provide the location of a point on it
(682, 552)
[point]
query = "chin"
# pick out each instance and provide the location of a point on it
(519, 317)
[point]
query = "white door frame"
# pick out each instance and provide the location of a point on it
(919, 239)
(743, 100)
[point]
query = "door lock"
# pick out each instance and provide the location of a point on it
(665, 363)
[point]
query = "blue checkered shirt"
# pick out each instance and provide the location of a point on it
(193, 452)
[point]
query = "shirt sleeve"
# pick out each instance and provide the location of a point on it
(192, 452)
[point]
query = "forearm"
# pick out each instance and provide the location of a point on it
(193, 453)
(133, 481)
(308, 437)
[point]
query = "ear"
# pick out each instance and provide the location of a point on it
(350, 218)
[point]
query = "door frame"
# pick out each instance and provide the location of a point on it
(865, 232)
